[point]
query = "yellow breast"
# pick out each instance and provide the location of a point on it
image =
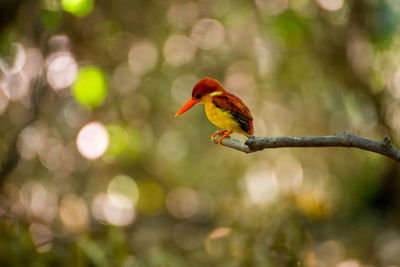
(220, 118)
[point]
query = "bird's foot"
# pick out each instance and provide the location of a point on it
(224, 136)
(217, 133)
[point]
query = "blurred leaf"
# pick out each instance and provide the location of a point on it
(163, 194)
(151, 199)
(93, 251)
(290, 29)
(90, 87)
(79, 8)
(52, 19)
(117, 143)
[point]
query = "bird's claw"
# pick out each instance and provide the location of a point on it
(217, 133)
(223, 137)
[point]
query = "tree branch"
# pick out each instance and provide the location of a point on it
(254, 144)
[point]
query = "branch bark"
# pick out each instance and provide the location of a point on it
(254, 144)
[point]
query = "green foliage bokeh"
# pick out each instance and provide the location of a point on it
(96, 170)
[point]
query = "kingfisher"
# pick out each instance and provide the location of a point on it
(223, 109)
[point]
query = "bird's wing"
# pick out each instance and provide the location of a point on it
(240, 112)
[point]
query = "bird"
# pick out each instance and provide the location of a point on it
(222, 108)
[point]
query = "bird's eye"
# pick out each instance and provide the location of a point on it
(198, 96)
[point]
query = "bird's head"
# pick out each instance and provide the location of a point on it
(205, 87)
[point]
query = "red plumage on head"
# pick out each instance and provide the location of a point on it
(206, 86)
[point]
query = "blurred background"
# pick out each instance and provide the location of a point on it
(96, 171)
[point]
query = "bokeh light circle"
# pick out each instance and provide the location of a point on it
(181, 87)
(273, 7)
(207, 33)
(182, 15)
(62, 72)
(92, 140)
(123, 191)
(330, 5)
(261, 183)
(79, 8)
(41, 236)
(152, 197)
(179, 50)
(90, 87)
(3, 102)
(117, 143)
(123, 80)
(15, 85)
(103, 209)
(74, 213)
(118, 215)
(143, 57)
(182, 202)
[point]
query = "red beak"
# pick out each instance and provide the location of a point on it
(187, 106)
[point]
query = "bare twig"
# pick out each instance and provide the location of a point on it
(254, 144)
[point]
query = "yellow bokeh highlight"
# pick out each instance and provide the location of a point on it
(74, 213)
(90, 87)
(117, 140)
(78, 8)
(121, 189)
(152, 198)
(313, 205)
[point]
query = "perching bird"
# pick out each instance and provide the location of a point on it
(222, 108)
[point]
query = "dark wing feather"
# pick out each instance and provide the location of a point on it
(240, 112)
